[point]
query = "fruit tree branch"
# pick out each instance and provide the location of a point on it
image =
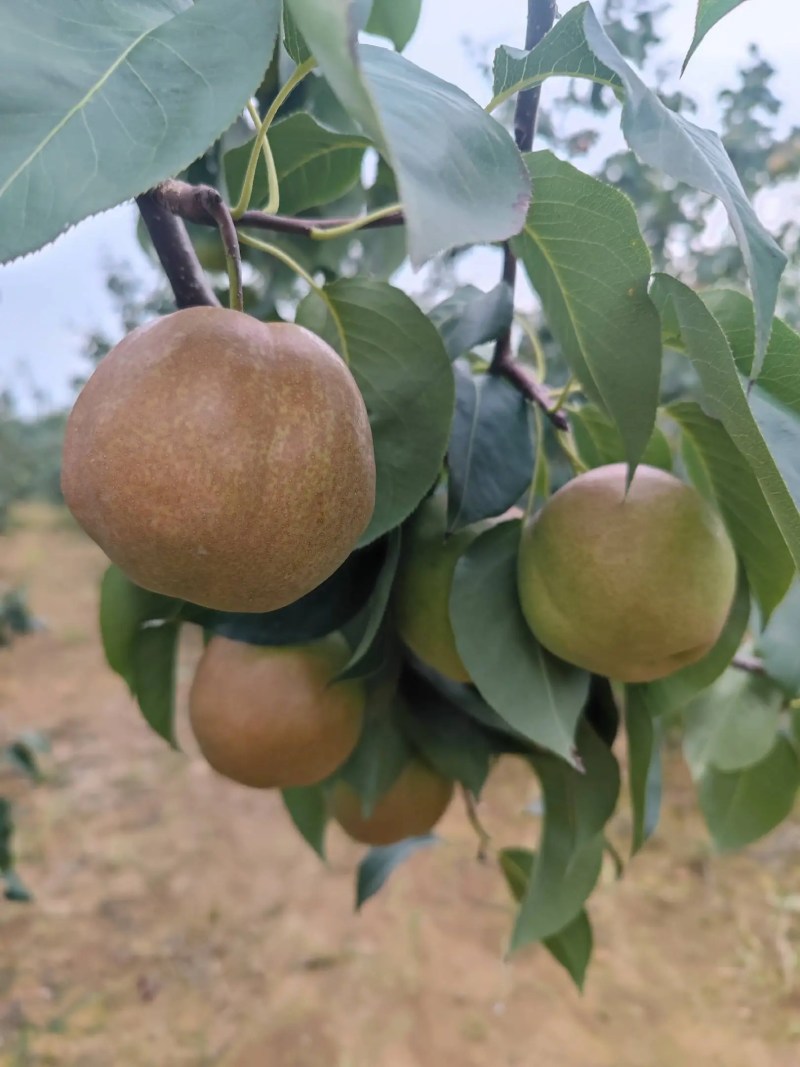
(177, 254)
(541, 15)
(193, 202)
(751, 664)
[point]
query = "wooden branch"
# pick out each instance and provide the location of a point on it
(177, 254)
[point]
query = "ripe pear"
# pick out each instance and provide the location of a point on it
(425, 579)
(410, 808)
(221, 460)
(632, 586)
(270, 717)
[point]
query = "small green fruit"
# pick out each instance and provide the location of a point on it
(425, 579)
(632, 586)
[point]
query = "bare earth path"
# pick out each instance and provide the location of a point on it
(180, 920)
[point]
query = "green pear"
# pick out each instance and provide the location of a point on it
(425, 579)
(631, 586)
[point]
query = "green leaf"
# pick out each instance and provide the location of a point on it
(709, 12)
(601, 711)
(677, 690)
(754, 532)
(395, 19)
(154, 669)
(376, 608)
(383, 749)
(6, 834)
(379, 863)
(664, 139)
(470, 317)
(460, 177)
(15, 889)
(743, 806)
(577, 805)
(293, 39)
(588, 262)
(756, 429)
(563, 51)
(571, 947)
(455, 744)
(23, 758)
(111, 99)
(539, 695)
(315, 165)
(599, 441)
(329, 607)
(733, 724)
(490, 459)
(123, 608)
(398, 360)
(309, 812)
(778, 644)
(383, 248)
(644, 759)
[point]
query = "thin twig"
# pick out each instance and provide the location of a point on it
(742, 662)
(176, 252)
(233, 253)
(541, 15)
(484, 840)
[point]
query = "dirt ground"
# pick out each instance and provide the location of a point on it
(180, 920)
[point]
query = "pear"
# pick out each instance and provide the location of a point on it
(273, 717)
(631, 586)
(425, 579)
(410, 808)
(222, 460)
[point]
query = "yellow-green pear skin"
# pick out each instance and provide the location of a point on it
(632, 586)
(222, 460)
(272, 718)
(410, 808)
(424, 582)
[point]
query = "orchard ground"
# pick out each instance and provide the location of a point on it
(181, 920)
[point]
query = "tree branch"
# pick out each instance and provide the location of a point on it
(751, 664)
(177, 254)
(541, 15)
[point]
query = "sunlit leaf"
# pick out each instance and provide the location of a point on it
(395, 19)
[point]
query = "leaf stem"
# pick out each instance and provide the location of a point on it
(484, 840)
(261, 135)
(537, 466)
(284, 257)
(273, 185)
(353, 225)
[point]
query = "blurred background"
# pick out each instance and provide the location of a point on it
(179, 919)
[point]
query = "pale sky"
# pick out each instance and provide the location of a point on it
(48, 301)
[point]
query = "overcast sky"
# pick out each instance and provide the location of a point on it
(50, 300)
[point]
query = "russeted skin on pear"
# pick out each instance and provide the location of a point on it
(631, 586)
(222, 460)
(273, 717)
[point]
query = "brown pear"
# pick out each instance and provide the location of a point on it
(410, 808)
(273, 717)
(222, 460)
